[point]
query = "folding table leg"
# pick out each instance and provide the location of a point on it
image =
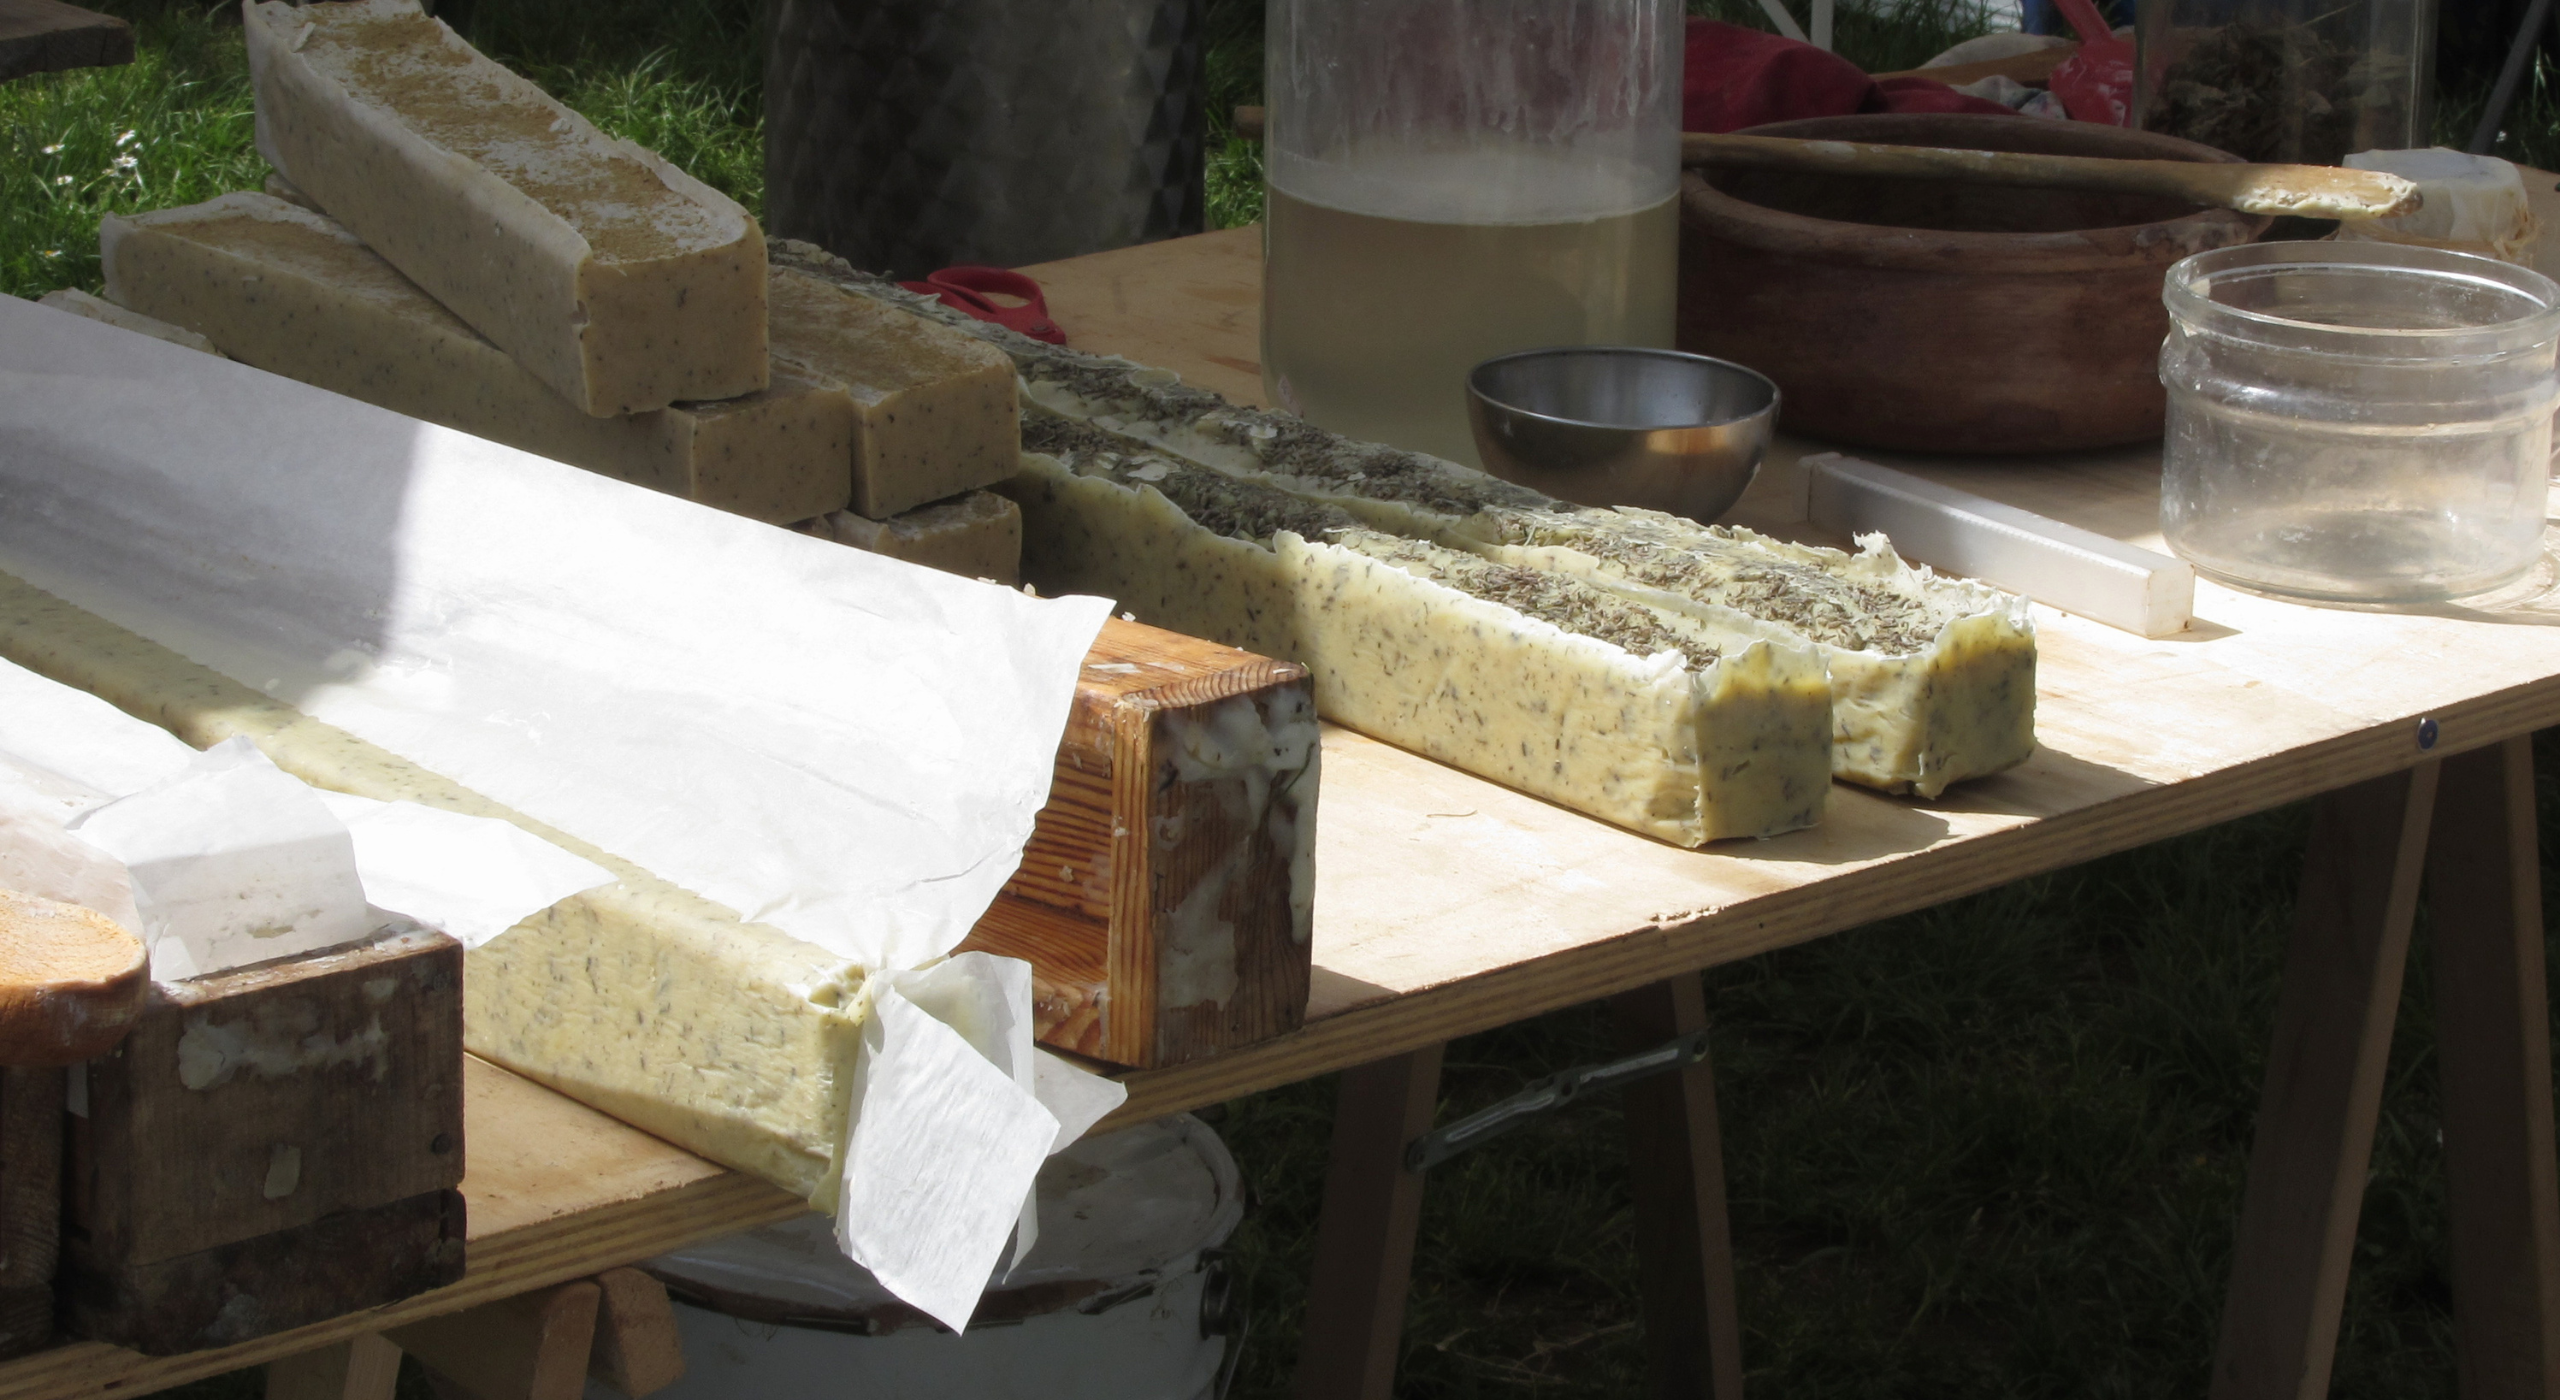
(2493, 1049)
(2334, 1011)
(1675, 1162)
(1364, 1242)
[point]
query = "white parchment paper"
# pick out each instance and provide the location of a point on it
(219, 858)
(844, 746)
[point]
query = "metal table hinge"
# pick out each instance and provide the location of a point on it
(1552, 1092)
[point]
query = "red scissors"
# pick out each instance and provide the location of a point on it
(974, 289)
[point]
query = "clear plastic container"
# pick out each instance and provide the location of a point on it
(1451, 180)
(2286, 80)
(2361, 422)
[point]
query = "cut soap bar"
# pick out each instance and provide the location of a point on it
(290, 291)
(617, 279)
(936, 413)
(80, 303)
(978, 535)
(652, 1003)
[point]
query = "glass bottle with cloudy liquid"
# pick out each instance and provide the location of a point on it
(1451, 180)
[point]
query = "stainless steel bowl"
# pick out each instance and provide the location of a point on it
(1619, 426)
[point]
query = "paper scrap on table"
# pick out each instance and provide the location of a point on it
(849, 748)
(219, 858)
(955, 1111)
(233, 861)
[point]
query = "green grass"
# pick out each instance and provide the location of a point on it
(1991, 1149)
(171, 128)
(681, 76)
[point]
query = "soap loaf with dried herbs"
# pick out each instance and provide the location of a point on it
(1933, 678)
(1668, 723)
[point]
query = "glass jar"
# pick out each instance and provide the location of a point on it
(2286, 80)
(2365, 422)
(1450, 180)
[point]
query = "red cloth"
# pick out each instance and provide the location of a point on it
(1735, 77)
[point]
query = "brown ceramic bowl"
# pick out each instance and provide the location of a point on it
(1940, 317)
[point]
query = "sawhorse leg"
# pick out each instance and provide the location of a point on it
(2468, 824)
(2334, 1010)
(1364, 1241)
(1675, 1162)
(1373, 1209)
(2493, 1049)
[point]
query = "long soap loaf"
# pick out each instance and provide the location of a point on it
(293, 292)
(1912, 713)
(652, 1003)
(1664, 723)
(935, 414)
(1933, 679)
(617, 279)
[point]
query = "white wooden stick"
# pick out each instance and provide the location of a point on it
(1957, 532)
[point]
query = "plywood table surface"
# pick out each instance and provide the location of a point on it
(1447, 905)
(556, 1191)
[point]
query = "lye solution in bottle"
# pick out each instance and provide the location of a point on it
(1450, 180)
(1388, 302)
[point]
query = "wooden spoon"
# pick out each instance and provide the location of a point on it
(2310, 191)
(71, 981)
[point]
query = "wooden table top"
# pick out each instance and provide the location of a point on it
(1447, 905)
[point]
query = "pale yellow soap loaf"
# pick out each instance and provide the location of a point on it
(1674, 726)
(617, 279)
(292, 292)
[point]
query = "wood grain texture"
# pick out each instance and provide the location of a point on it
(2493, 1053)
(267, 1283)
(1675, 1169)
(272, 1145)
(534, 1346)
(47, 36)
(71, 981)
(272, 1095)
(1364, 1239)
(637, 1351)
(1140, 851)
(31, 1133)
(2323, 1093)
(364, 1367)
(557, 1191)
